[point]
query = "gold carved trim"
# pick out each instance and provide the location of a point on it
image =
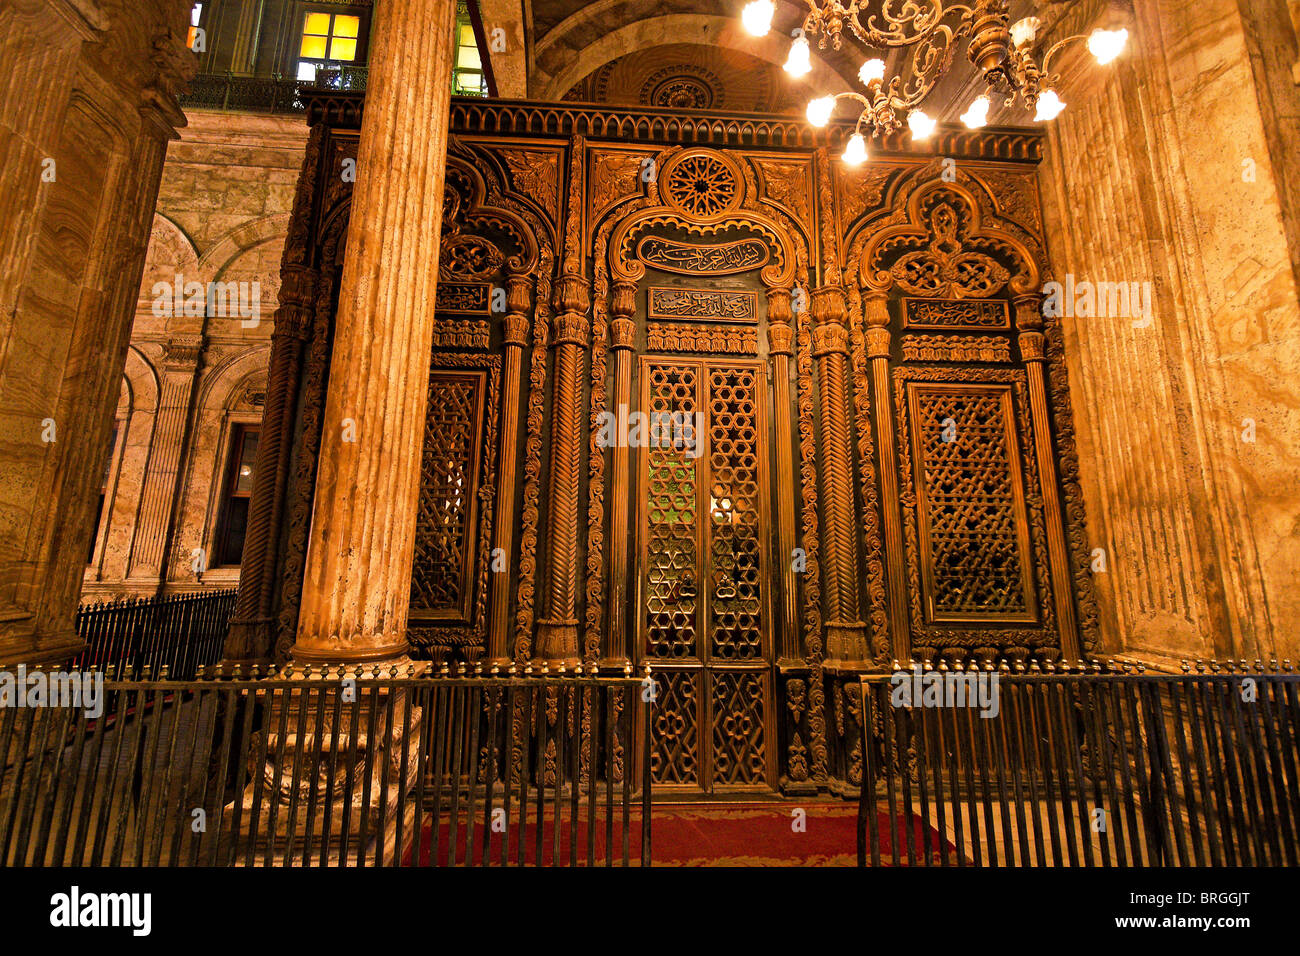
(716, 304)
(689, 258)
(661, 337)
(956, 348)
(973, 314)
(460, 333)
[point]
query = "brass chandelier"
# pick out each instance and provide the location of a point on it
(931, 30)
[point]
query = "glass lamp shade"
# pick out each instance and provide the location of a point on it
(799, 63)
(757, 17)
(820, 109)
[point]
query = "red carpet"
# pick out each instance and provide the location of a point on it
(701, 834)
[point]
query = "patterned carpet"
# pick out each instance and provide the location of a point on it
(701, 834)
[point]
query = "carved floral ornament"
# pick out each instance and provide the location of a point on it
(937, 245)
(471, 207)
(701, 192)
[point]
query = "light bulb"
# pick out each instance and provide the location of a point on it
(921, 125)
(800, 60)
(757, 17)
(978, 114)
(873, 71)
(1105, 45)
(855, 152)
(1049, 107)
(820, 109)
(1025, 31)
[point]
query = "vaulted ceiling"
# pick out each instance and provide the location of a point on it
(693, 54)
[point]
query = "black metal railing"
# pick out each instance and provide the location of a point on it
(266, 93)
(1081, 768)
(327, 768)
(127, 638)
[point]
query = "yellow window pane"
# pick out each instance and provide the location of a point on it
(347, 26)
(313, 48)
(466, 34)
(343, 49)
(467, 58)
(318, 24)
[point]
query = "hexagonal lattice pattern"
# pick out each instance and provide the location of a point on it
(671, 510)
(735, 546)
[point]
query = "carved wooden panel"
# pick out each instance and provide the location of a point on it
(704, 544)
(978, 569)
(692, 258)
(737, 715)
(450, 572)
(671, 521)
(735, 516)
(460, 333)
(956, 314)
(675, 724)
(715, 305)
(665, 337)
(956, 348)
(974, 535)
(469, 297)
(442, 581)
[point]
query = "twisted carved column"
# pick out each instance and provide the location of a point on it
(252, 630)
(622, 338)
(846, 632)
(357, 582)
(780, 348)
(557, 631)
(1029, 320)
(515, 327)
(876, 309)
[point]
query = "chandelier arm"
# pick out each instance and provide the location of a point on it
(897, 36)
(926, 76)
(1060, 44)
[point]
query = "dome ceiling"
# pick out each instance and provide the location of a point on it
(692, 77)
(694, 54)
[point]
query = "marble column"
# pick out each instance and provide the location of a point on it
(357, 581)
(87, 104)
(150, 560)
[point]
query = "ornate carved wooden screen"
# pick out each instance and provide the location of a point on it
(880, 464)
(704, 568)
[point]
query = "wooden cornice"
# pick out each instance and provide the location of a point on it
(634, 124)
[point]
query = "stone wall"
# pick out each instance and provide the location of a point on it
(87, 104)
(1169, 171)
(223, 208)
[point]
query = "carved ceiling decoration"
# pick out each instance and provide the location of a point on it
(689, 76)
(680, 88)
